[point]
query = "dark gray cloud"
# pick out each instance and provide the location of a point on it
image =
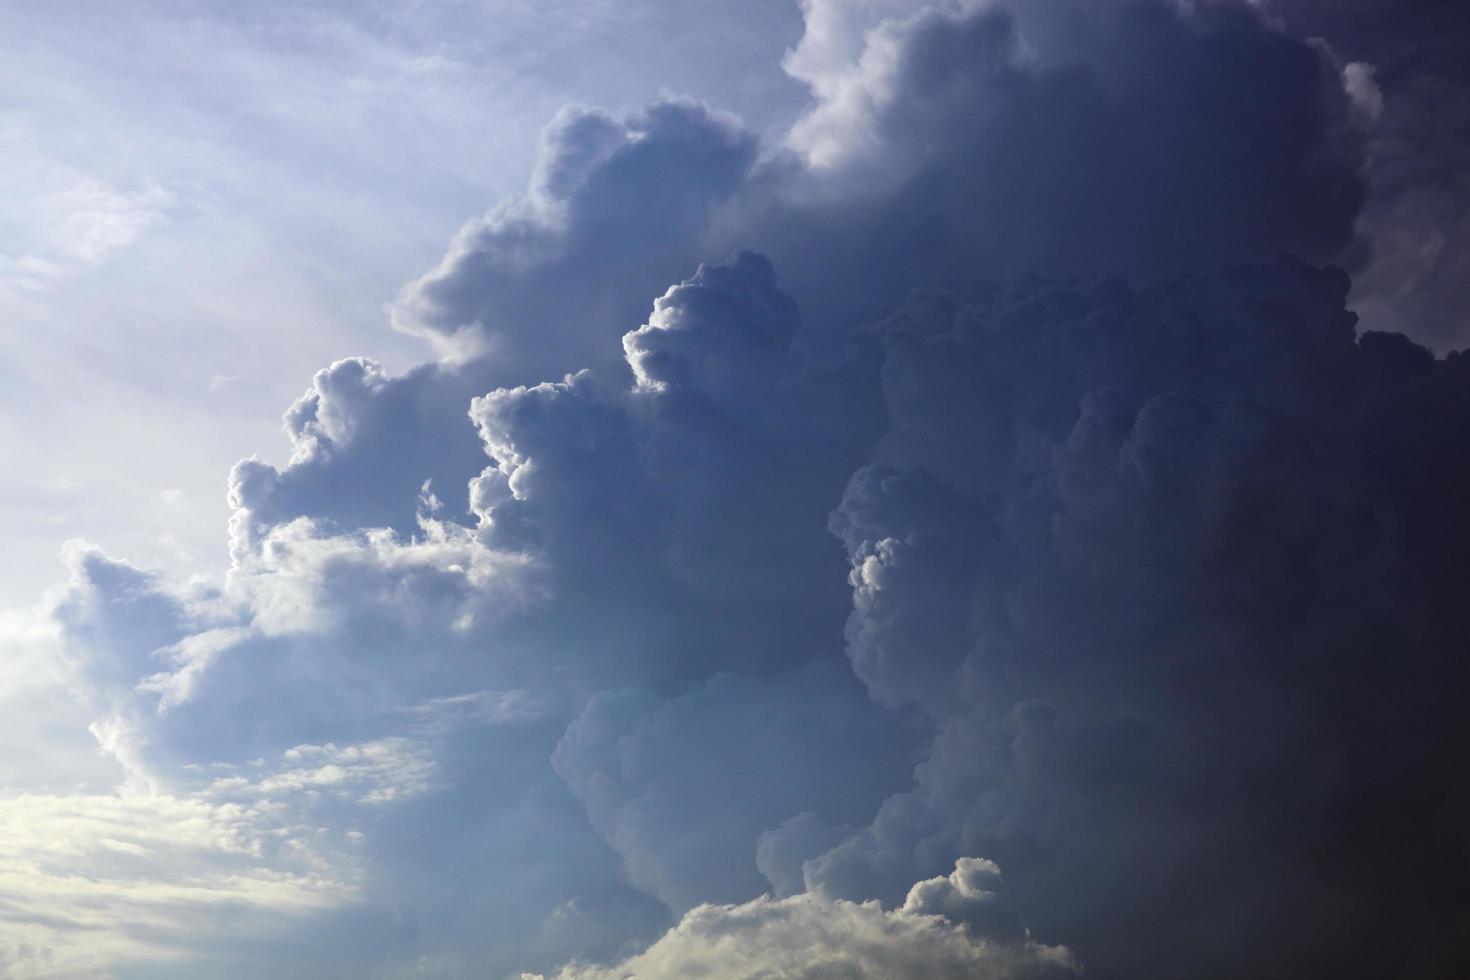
(1123, 138)
(1139, 140)
(1187, 601)
(961, 484)
(1413, 262)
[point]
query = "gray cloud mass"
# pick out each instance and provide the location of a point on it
(969, 534)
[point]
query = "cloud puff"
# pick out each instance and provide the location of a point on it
(934, 934)
(363, 444)
(613, 213)
(721, 330)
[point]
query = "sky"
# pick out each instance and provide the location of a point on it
(799, 488)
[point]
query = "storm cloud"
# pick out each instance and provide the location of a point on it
(984, 483)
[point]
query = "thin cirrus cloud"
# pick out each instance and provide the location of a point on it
(960, 487)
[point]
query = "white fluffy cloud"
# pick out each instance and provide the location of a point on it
(934, 935)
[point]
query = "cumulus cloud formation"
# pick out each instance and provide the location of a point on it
(959, 487)
(1140, 140)
(805, 937)
(1154, 595)
(614, 210)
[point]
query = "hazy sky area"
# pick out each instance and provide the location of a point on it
(207, 202)
(596, 489)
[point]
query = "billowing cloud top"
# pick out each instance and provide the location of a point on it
(951, 539)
